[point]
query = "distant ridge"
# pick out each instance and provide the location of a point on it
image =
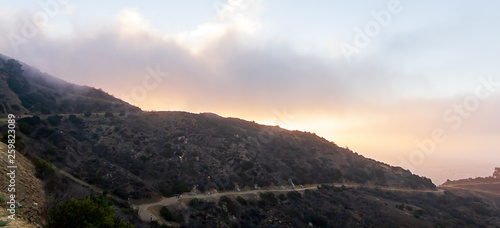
(24, 89)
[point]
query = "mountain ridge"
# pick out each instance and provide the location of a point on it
(101, 142)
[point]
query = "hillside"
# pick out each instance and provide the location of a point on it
(99, 143)
(146, 154)
(329, 206)
(28, 191)
(24, 89)
(487, 188)
(142, 154)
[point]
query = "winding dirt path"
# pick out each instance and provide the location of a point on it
(151, 210)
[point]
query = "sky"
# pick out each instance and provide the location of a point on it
(410, 83)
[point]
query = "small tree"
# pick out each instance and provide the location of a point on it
(44, 168)
(75, 120)
(167, 215)
(54, 120)
(90, 211)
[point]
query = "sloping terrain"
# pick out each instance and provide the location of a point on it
(24, 89)
(28, 192)
(487, 188)
(139, 155)
(329, 206)
(99, 143)
(144, 154)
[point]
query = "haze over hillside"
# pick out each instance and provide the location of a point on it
(84, 141)
(229, 151)
(252, 60)
(139, 102)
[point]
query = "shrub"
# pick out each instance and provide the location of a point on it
(246, 165)
(319, 221)
(108, 114)
(293, 195)
(334, 174)
(268, 198)
(33, 121)
(198, 204)
(167, 215)
(180, 188)
(87, 114)
(75, 120)
(231, 206)
(45, 132)
(36, 101)
(282, 197)
(91, 211)
(418, 213)
(15, 107)
(45, 110)
(24, 127)
(241, 200)
(43, 169)
(54, 120)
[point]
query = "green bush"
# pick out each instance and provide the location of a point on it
(268, 198)
(282, 197)
(167, 215)
(231, 206)
(75, 120)
(45, 132)
(43, 169)
(45, 110)
(246, 165)
(293, 195)
(180, 188)
(198, 204)
(51, 151)
(4, 223)
(32, 121)
(15, 107)
(418, 213)
(241, 200)
(90, 211)
(24, 127)
(54, 120)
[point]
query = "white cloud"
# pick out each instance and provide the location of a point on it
(235, 15)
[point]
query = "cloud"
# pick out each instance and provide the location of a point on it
(222, 66)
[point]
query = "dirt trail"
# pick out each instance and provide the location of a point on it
(152, 209)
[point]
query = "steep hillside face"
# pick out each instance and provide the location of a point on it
(338, 207)
(141, 154)
(487, 188)
(24, 89)
(26, 188)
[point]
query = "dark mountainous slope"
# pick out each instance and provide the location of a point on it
(24, 89)
(106, 145)
(139, 154)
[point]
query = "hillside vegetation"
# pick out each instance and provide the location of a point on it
(82, 141)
